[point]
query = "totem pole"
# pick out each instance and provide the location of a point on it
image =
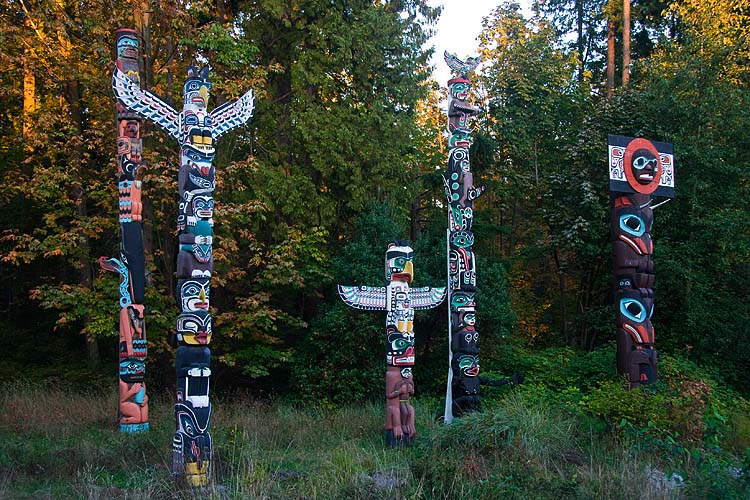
(133, 402)
(400, 301)
(195, 129)
(462, 393)
(638, 169)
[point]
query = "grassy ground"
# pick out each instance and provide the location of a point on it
(64, 444)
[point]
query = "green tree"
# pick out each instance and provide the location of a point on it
(551, 205)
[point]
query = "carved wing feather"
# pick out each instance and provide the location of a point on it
(460, 67)
(427, 297)
(231, 115)
(370, 298)
(145, 104)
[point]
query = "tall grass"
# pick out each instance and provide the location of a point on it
(59, 443)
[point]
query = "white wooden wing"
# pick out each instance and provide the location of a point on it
(231, 115)
(426, 297)
(145, 104)
(370, 298)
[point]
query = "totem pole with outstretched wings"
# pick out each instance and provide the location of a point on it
(196, 130)
(400, 301)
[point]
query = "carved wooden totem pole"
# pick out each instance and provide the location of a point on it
(638, 169)
(462, 393)
(133, 402)
(196, 130)
(400, 301)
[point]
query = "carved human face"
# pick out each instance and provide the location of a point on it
(469, 365)
(127, 46)
(460, 138)
(203, 206)
(645, 166)
(462, 301)
(197, 130)
(460, 90)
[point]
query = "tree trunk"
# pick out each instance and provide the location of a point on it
(85, 280)
(581, 44)
(610, 56)
(563, 299)
(416, 208)
(625, 43)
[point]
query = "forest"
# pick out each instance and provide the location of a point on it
(344, 153)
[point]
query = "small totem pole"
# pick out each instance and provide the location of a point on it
(133, 402)
(462, 393)
(400, 301)
(195, 129)
(638, 169)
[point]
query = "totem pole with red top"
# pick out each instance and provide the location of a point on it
(639, 170)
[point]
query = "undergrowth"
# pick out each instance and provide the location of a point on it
(563, 434)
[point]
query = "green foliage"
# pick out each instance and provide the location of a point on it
(341, 356)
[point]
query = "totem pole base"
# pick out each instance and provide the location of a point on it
(195, 475)
(464, 405)
(393, 442)
(134, 428)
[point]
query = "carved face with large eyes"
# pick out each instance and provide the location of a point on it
(462, 301)
(459, 89)
(127, 46)
(197, 130)
(462, 239)
(194, 327)
(645, 166)
(468, 364)
(196, 90)
(194, 294)
(398, 263)
(636, 308)
(132, 370)
(400, 348)
(203, 206)
(198, 161)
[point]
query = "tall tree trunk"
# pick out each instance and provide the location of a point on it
(29, 94)
(29, 101)
(416, 209)
(610, 55)
(85, 280)
(563, 298)
(581, 42)
(625, 43)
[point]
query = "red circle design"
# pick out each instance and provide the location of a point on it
(627, 158)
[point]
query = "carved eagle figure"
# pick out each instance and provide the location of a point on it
(460, 67)
(376, 298)
(224, 118)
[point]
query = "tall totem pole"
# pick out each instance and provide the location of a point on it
(400, 301)
(195, 129)
(638, 169)
(133, 402)
(462, 393)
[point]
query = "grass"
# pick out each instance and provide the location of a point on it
(61, 443)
